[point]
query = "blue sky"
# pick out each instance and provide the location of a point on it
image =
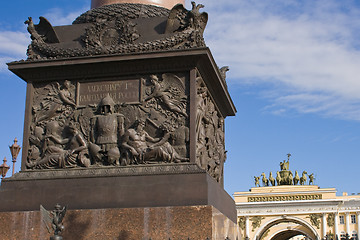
(294, 78)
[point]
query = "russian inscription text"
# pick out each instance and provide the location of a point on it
(120, 91)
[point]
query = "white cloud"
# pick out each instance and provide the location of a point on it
(308, 52)
(14, 43)
(327, 105)
(58, 17)
(13, 47)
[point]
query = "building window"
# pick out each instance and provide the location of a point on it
(353, 219)
(341, 220)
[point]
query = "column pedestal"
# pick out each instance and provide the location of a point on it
(188, 222)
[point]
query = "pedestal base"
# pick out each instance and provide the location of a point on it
(157, 223)
(125, 187)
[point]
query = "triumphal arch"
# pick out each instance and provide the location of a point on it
(292, 207)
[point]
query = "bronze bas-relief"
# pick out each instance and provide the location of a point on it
(210, 139)
(153, 127)
(65, 134)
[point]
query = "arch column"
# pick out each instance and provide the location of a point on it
(347, 215)
(323, 225)
(247, 226)
(358, 222)
(336, 225)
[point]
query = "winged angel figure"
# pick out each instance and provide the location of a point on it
(55, 101)
(181, 19)
(54, 220)
(170, 92)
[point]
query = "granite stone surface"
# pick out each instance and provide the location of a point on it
(158, 223)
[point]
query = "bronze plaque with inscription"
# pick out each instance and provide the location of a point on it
(121, 91)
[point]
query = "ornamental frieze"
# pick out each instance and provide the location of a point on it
(285, 198)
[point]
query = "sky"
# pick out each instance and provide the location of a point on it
(294, 78)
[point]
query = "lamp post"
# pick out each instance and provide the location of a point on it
(4, 168)
(14, 149)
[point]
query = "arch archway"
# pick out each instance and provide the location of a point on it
(287, 234)
(285, 227)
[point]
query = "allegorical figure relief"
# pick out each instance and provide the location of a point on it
(209, 127)
(181, 138)
(200, 127)
(163, 150)
(106, 132)
(55, 155)
(171, 95)
(143, 148)
(55, 101)
(65, 93)
(216, 149)
(136, 140)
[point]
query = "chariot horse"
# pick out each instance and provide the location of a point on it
(303, 178)
(271, 179)
(278, 178)
(296, 178)
(265, 180)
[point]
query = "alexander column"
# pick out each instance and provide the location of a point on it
(124, 128)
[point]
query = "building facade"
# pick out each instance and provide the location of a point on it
(297, 212)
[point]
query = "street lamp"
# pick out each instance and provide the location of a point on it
(4, 168)
(14, 149)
